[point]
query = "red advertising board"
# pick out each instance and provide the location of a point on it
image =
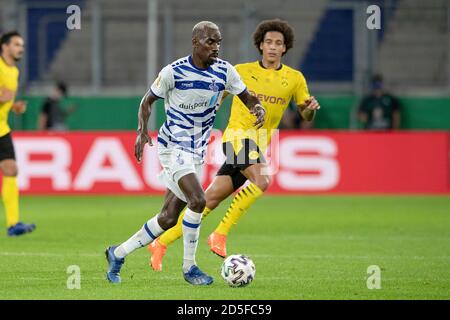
(306, 162)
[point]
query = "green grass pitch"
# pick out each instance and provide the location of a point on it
(304, 247)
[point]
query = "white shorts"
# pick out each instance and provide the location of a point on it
(176, 163)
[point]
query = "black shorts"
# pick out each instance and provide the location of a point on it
(237, 162)
(7, 148)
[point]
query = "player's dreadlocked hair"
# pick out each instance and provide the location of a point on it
(274, 25)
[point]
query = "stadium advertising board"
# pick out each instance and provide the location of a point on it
(308, 162)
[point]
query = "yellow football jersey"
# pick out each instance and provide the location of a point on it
(9, 79)
(275, 89)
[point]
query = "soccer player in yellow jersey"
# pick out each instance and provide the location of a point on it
(12, 48)
(275, 84)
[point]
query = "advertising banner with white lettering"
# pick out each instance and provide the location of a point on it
(299, 162)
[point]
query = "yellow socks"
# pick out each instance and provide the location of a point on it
(10, 194)
(176, 231)
(241, 202)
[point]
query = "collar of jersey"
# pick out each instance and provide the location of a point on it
(193, 65)
(262, 66)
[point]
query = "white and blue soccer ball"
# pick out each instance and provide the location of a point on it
(238, 270)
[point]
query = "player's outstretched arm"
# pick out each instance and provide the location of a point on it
(308, 109)
(255, 107)
(142, 131)
(19, 107)
(6, 95)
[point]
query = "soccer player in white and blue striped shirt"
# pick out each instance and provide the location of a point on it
(192, 88)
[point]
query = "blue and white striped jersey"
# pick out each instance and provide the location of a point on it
(191, 99)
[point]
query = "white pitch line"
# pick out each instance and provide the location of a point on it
(332, 257)
(289, 256)
(48, 254)
(172, 278)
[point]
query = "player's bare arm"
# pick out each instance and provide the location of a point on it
(142, 132)
(308, 109)
(255, 107)
(225, 94)
(6, 95)
(19, 107)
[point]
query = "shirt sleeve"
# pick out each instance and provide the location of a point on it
(163, 83)
(301, 93)
(234, 83)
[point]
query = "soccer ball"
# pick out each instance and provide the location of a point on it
(238, 270)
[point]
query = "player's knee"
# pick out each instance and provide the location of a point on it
(197, 202)
(213, 199)
(171, 222)
(263, 182)
(166, 221)
(212, 203)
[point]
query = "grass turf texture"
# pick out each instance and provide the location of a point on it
(304, 247)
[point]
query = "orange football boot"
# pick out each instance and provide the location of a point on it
(158, 251)
(218, 244)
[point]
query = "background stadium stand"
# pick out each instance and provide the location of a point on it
(125, 41)
(414, 51)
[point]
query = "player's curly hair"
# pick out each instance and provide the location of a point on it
(274, 25)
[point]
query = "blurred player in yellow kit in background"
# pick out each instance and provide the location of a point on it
(12, 49)
(275, 85)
